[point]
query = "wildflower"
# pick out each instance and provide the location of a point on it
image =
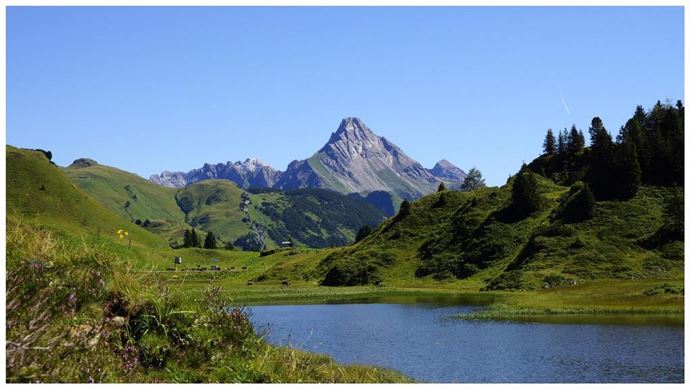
(122, 234)
(130, 357)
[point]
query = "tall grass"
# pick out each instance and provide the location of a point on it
(77, 313)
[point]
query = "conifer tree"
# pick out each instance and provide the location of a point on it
(196, 242)
(187, 239)
(601, 170)
(562, 145)
(404, 209)
(210, 241)
(628, 174)
(549, 145)
(473, 180)
(576, 140)
(525, 196)
(441, 187)
(363, 232)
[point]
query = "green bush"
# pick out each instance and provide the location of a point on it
(511, 280)
(578, 204)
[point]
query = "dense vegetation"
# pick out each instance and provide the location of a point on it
(575, 213)
(648, 150)
(76, 312)
(251, 220)
(315, 217)
(83, 306)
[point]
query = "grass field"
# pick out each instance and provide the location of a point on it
(69, 269)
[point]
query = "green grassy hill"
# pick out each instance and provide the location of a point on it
(41, 191)
(215, 205)
(472, 240)
(252, 220)
(130, 196)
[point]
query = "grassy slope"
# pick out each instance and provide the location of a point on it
(42, 191)
(215, 205)
(627, 222)
(129, 195)
(614, 273)
(310, 217)
(54, 225)
(66, 297)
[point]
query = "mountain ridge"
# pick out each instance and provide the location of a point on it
(354, 160)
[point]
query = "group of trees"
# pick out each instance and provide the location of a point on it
(192, 239)
(647, 150)
(568, 141)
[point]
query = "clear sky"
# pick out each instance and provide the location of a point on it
(153, 89)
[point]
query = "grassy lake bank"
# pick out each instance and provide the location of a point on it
(660, 300)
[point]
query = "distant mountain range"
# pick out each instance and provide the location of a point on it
(354, 160)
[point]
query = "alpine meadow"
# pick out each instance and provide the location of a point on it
(356, 263)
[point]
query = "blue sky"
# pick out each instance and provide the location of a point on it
(152, 89)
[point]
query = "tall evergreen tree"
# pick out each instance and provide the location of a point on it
(441, 187)
(562, 145)
(363, 233)
(576, 140)
(525, 196)
(404, 209)
(473, 180)
(549, 145)
(187, 239)
(196, 242)
(210, 241)
(628, 176)
(601, 171)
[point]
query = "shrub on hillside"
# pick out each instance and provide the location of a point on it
(526, 198)
(510, 280)
(578, 204)
(360, 269)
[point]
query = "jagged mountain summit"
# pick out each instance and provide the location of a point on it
(250, 173)
(448, 172)
(354, 160)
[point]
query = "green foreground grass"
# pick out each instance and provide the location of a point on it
(79, 312)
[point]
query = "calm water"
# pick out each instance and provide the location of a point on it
(421, 341)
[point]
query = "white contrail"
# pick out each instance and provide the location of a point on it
(565, 105)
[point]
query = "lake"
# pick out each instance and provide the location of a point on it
(423, 342)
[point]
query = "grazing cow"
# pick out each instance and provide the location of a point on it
(286, 283)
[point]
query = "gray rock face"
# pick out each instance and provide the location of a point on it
(170, 179)
(449, 173)
(250, 173)
(357, 160)
(354, 160)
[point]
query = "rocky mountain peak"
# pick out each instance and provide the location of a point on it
(447, 171)
(352, 129)
(354, 160)
(443, 164)
(251, 164)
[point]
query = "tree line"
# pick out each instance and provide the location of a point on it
(648, 150)
(192, 239)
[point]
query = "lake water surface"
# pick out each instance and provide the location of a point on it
(421, 341)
